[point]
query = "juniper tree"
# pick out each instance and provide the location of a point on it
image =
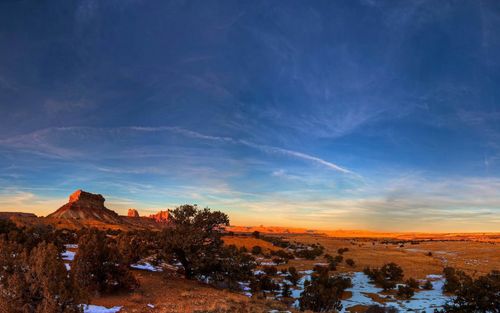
(195, 237)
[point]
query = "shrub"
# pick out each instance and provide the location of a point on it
(387, 276)
(405, 291)
(293, 275)
(286, 292)
(98, 267)
(475, 295)
(412, 283)
(342, 250)
(350, 262)
(270, 270)
(427, 285)
(263, 283)
(338, 259)
(256, 250)
(35, 282)
(381, 309)
(323, 294)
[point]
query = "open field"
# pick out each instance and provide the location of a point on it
(475, 258)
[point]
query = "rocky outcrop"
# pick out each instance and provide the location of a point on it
(86, 206)
(132, 213)
(161, 217)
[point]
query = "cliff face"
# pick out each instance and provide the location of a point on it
(132, 213)
(86, 206)
(161, 217)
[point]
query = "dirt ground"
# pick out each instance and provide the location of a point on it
(172, 294)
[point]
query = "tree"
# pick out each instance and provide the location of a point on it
(474, 295)
(230, 267)
(293, 275)
(387, 276)
(37, 282)
(98, 267)
(195, 237)
(323, 294)
(286, 292)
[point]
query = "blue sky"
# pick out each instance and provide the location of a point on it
(380, 115)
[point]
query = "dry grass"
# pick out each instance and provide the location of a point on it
(473, 257)
(249, 243)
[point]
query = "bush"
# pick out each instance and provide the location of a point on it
(338, 259)
(381, 309)
(427, 285)
(342, 250)
(256, 250)
(405, 291)
(263, 283)
(474, 295)
(270, 270)
(35, 282)
(412, 283)
(350, 262)
(286, 292)
(99, 268)
(387, 276)
(229, 267)
(293, 275)
(323, 294)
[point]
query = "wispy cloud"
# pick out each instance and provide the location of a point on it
(44, 142)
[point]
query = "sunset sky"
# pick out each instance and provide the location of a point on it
(378, 115)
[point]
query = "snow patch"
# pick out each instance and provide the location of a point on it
(68, 255)
(146, 267)
(89, 308)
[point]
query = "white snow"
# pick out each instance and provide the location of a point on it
(423, 300)
(244, 285)
(151, 305)
(68, 255)
(68, 267)
(147, 267)
(258, 272)
(100, 309)
(71, 246)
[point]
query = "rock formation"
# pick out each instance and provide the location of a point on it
(161, 217)
(132, 213)
(86, 206)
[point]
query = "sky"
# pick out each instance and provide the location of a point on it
(376, 115)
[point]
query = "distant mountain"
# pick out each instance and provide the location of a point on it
(85, 209)
(86, 206)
